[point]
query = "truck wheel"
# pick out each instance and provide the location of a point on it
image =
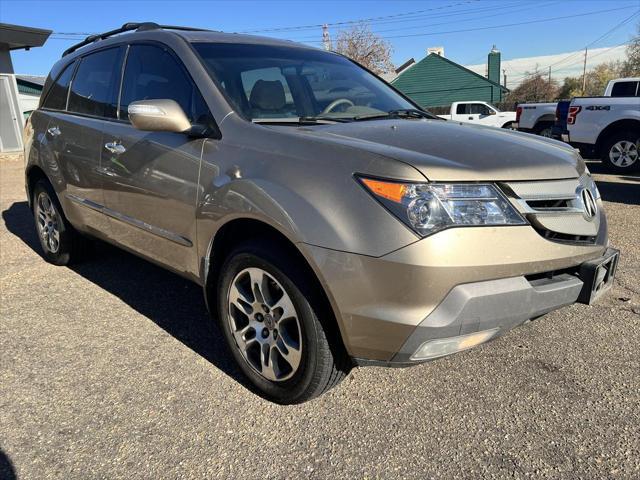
(508, 126)
(544, 129)
(621, 151)
(270, 318)
(60, 242)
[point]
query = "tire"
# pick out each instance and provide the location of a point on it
(508, 126)
(544, 129)
(61, 244)
(621, 151)
(307, 337)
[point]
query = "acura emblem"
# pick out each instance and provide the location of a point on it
(589, 203)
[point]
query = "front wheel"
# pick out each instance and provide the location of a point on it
(621, 151)
(274, 326)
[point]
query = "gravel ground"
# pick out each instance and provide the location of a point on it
(110, 369)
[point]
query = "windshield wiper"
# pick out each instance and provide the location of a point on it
(400, 113)
(318, 120)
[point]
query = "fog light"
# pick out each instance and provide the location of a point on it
(447, 346)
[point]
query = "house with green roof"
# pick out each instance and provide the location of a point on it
(437, 81)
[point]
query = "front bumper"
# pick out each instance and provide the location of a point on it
(492, 305)
(457, 281)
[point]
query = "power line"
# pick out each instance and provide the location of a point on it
(578, 61)
(351, 22)
(505, 25)
(502, 9)
(600, 38)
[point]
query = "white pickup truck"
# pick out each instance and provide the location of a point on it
(608, 127)
(482, 113)
(536, 118)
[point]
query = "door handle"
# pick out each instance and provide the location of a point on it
(53, 131)
(115, 148)
(470, 118)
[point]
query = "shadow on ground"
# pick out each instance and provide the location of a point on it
(628, 193)
(7, 472)
(174, 304)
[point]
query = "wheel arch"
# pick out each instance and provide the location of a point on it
(544, 120)
(243, 229)
(33, 175)
(624, 124)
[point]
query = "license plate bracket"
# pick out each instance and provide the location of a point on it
(597, 276)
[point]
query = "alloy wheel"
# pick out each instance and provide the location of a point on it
(265, 324)
(624, 153)
(546, 132)
(48, 222)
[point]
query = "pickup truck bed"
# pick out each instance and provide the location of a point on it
(608, 127)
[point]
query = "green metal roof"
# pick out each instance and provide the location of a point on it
(437, 81)
(28, 88)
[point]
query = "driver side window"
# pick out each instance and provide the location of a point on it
(151, 72)
(479, 108)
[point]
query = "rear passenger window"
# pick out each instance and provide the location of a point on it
(152, 73)
(624, 89)
(57, 97)
(461, 109)
(94, 90)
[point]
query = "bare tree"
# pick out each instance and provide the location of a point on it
(631, 67)
(365, 47)
(535, 88)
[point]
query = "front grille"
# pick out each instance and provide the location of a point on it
(555, 208)
(546, 205)
(565, 238)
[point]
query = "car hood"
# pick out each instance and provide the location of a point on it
(450, 151)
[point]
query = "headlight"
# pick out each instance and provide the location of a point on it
(431, 207)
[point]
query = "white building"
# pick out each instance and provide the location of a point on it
(568, 64)
(12, 107)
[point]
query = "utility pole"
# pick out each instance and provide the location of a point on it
(584, 73)
(504, 74)
(326, 38)
(549, 75)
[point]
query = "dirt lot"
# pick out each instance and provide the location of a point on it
(110, 369)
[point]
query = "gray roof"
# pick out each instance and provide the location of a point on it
(38, 80)
(18, 36)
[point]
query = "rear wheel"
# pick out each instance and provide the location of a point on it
(621, 151)
(60, 243)
(544, 129)
(273, 323)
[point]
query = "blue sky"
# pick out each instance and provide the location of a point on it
(410, 26)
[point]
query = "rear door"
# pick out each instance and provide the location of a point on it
(75, 130)
(153, 186)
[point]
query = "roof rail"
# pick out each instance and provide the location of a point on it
(127, 27)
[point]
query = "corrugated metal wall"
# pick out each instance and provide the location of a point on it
(435, 81)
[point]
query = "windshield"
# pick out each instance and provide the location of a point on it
(274, 83)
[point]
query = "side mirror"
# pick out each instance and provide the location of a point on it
(492, 112)
(158, 116)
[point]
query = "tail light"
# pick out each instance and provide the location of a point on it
(573, 113)
(518, 113)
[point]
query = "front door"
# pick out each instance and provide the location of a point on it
(152, 190)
